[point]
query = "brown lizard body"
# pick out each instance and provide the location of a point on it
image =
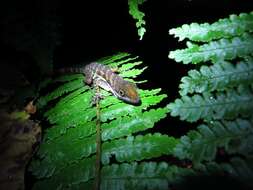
(102, 76)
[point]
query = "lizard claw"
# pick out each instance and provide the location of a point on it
(96, 98)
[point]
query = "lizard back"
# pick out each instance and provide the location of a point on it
(103, 76)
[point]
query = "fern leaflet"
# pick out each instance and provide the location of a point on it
(145, 175)
(70, 144)
(202, 144)
(214, 51)
(138, 15)
(223, 28)
(217, 77)
(208, 106)
(138, 148)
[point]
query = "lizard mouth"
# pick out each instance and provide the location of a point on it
(136, 101)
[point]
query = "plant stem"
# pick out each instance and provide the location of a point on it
(98, 143)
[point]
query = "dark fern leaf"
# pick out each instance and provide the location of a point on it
(66, 154)
(223, 28)
(138, 15)
(215, 51)
(227, 105)
(201, 144)
(144, 175)
(218, 77)
(138, 148)
(68, 87)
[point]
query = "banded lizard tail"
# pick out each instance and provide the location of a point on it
(103, 76)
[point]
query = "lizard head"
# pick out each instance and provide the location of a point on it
(127, 92)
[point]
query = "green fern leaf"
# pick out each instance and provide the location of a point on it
(60, 154)
(138, 15)
(237, 168)
(118, 57)
(71, 140)
(132, 73)
(82, 112)
(217, 77)
(121, 109)
(208, 106)
(68, 87)
(129, 125)
(62, 114)
(82, 144)
(241, 169)
(64, 119)
(214, 51)
(223, 28)
(139, 148)
(242, 144)
(127, 67)
(120, 63)
(147, 175)
(144, 175)
(201, 144)
(73, 174)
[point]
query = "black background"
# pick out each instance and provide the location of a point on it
(96, 29)
(100, 28)
(93, 29)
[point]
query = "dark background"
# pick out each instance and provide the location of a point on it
(100, 28)
(92, 29)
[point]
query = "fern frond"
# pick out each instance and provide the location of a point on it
(217, 77)
(241, 169)
(138, 148)
(124, 61)
(77, 131)
(201, 144)
(223, 28)
(242, 145)
(82, 113)
(68, 87)
(129, 125)
(121, 108)
(132, 73)
(80, 148)
(127, 67)
(144, 175)
(71, 140)
(138, 15)
(208, 106)
(74, 173)
(237, 168)
(114, 58)
(215, 51)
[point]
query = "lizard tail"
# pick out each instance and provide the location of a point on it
(69, 70)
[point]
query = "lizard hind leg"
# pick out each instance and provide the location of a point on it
(97, 84)
(97, 96)
(88, 79)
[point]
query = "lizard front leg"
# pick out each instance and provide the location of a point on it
(99, 83)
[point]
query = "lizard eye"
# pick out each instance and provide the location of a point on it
(121, 92)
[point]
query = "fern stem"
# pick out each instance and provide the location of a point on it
(98, 147)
